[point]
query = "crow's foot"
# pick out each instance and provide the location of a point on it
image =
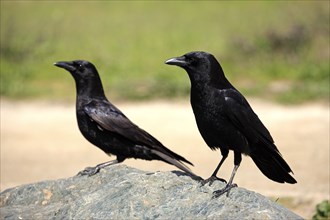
(212, 179)
(90, 171)
(227, 189)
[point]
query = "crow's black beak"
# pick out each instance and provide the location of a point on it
(178, 61)
(66, 65)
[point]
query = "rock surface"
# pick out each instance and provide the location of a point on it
(121, 192)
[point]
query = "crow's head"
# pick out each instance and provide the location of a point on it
(87, 79)
(79, 69)
(192, 61)
(201, 66)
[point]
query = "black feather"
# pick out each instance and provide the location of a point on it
(226, 120)
(107, 127)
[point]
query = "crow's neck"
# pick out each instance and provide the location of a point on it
(220, 83)
(90, 89)
(215, 80)
(218, 78)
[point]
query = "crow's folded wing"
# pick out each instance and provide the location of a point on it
(108, 117)
(241, 115)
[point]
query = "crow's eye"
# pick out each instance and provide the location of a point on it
(189, 59)
(80, 67)
(192, 61)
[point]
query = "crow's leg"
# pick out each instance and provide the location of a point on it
(214, 177)
(90, 171)
(230, 184)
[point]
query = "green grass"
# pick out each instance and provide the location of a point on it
(274, 50)
(322, 211)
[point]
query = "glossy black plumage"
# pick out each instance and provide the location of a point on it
(226, 120)
(105, 126)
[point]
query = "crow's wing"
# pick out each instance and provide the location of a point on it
(266, 155)
(112, 119)
(109, 118)
(241, 115)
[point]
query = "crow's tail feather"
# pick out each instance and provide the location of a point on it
(174, 161)
(272, 165)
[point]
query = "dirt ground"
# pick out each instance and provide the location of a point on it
(41, 141)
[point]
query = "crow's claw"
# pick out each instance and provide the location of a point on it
(227, 189)
(90, 171)
(212, 179)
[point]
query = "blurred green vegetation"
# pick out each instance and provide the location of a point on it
(276, 50)
(322, 211)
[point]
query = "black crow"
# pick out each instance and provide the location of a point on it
(105, 126)
(226, 120)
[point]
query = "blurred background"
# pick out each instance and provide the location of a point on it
(275, 52)
(282, 45)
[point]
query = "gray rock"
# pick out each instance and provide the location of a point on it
(121, 192)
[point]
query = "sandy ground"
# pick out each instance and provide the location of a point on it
(41, 141)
